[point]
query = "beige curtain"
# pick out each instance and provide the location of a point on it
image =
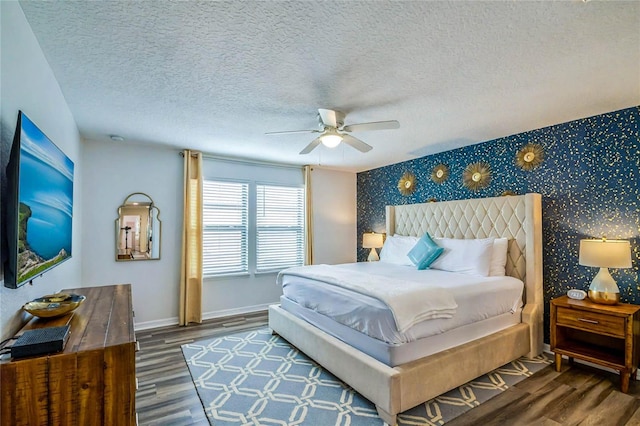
(308, 226)
(191, 266)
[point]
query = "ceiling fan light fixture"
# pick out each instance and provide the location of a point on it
(331, 139)
(333, 132)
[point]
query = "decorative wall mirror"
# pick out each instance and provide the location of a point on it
(138, 229)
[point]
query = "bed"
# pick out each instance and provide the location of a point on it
(394, 385)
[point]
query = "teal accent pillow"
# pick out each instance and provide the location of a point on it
(425, 252)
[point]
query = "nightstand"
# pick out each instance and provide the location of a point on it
(606, 335)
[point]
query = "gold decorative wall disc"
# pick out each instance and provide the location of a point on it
(476, 176)
(530, 156)
(407, 184)
(440, 173)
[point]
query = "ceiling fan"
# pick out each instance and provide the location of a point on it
(333, 131)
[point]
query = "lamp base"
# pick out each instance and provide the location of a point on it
(603, 289)
(604, 298)
(373, 256)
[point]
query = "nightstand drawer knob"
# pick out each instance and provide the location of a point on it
(588, 320)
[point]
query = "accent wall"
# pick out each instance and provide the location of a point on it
(589, 180)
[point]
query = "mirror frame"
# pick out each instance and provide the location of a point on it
(155, 234)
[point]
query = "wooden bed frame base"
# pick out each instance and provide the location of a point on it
(396, 389)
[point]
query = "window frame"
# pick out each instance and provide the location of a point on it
(244, 272)
(252, 228)
(301, 228)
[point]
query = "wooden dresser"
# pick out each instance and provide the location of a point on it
(91, 382)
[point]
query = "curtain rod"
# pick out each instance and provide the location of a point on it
(243, 161)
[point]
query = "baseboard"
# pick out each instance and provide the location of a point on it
(205, 316)
(155, 323)
(547, 349)
(237, 311)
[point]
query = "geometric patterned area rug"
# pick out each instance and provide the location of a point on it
(256, 378)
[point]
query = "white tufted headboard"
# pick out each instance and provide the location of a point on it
(518, 218)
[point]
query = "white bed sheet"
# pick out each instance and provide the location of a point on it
(398, 354)
(478, 299)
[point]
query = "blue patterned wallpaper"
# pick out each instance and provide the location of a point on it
(589, 181)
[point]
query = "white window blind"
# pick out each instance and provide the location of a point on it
(279, 227)
(225, 228)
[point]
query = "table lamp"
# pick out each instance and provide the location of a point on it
(373, 241)
(605, 254)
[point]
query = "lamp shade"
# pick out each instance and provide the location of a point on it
(605, 253)
(372, 240)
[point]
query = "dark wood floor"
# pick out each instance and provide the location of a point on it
(166, 395)
(578, 395)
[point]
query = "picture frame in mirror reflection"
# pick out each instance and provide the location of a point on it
(138, 229)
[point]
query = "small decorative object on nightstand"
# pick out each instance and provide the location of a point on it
(605, 254)
(576, 294)
(606, 335)
(373, 241)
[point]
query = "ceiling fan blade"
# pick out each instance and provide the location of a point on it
(374, 125)
(311, 146)
(328, 117)
(290, 132)
(356, 143)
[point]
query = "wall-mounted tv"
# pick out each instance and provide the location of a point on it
(39, 207)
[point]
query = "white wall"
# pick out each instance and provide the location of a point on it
(28, 84)
(334, 216)
(113, 170)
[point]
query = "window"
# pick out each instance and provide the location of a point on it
(279, 227)
(251, 227)
(225, 228)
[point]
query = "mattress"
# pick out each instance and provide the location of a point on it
(398, 354)
(478, 299)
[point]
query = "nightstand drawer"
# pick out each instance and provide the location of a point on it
(591, 321)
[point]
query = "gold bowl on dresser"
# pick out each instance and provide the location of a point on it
(54, 305)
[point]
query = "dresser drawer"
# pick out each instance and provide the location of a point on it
(591, 321)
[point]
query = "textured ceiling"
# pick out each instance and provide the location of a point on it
(216, 76)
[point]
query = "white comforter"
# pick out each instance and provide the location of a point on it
(410, 302)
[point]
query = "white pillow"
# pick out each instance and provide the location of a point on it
(499, 257)
(472, 257)
(395, 249)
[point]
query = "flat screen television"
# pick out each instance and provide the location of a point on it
(39, 205)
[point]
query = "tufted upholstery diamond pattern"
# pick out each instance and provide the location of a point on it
(477, 218)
